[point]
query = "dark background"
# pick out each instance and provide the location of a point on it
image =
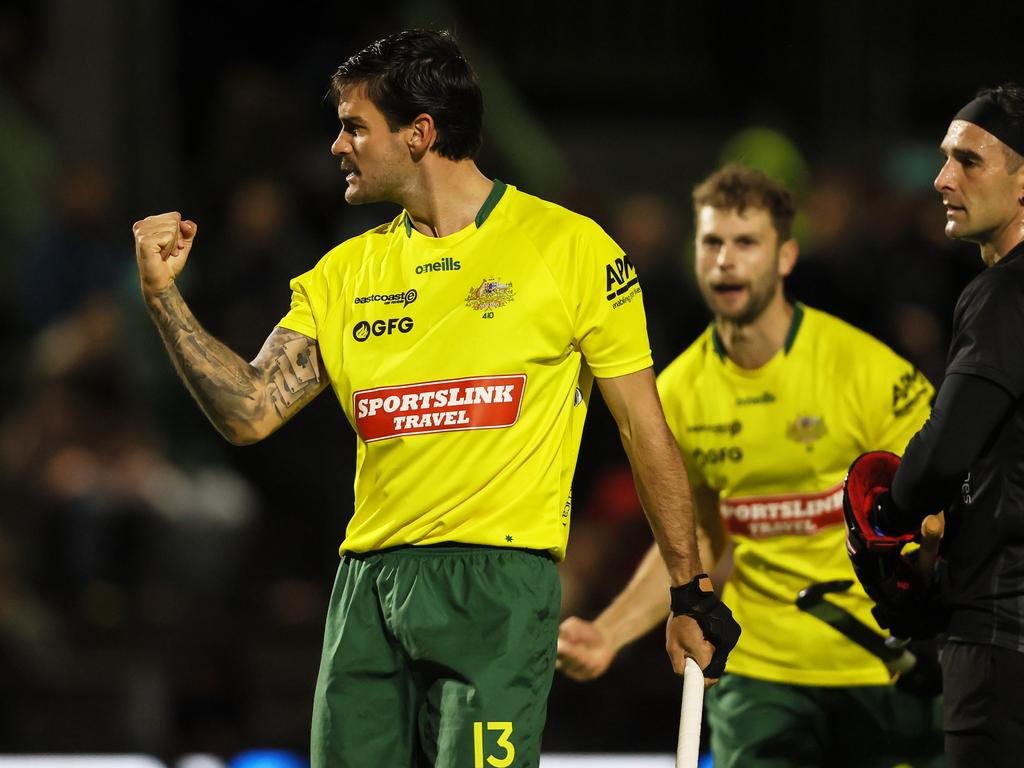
(162, 591)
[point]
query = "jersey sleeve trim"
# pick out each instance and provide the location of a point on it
(622, 369)
(989, 372)
(298, 325)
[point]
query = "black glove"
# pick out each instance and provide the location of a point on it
(905, 603)
(924, 679)
(712, 616)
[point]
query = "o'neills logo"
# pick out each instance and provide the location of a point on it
(797, 514)
(447, 264)
(451, 405)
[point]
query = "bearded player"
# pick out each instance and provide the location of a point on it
(769, 411)
(461, 339)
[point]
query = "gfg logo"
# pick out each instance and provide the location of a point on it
(364, 328)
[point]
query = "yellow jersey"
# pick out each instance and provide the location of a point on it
(775, 443)
(465, 363)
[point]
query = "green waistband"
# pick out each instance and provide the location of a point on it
(446, 548)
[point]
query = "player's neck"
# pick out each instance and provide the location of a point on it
(1004, 241)
(752, 345)
(446, 197)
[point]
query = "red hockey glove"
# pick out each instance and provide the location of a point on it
(865, 489)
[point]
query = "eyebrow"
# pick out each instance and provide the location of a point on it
(961, 154)
(356, 119)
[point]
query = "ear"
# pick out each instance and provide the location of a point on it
(422, 135)
(788, 253)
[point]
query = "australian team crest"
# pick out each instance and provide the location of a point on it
(491, 294)
(806, 429)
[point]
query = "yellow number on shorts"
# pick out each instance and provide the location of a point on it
(503, 741)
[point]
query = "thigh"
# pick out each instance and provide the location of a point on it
(365, 702)
(481, 628)
(984, 698)
(881, 726)
(968, 688)
(759, 724)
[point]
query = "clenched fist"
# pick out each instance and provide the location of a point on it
(162, 244)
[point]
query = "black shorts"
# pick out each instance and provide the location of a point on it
(983, 687)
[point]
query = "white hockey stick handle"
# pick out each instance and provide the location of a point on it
(688, 746)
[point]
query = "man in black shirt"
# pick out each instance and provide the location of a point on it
(969, 457)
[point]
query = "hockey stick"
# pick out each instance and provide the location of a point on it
(688, 746)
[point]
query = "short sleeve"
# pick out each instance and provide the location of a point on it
(307, 294)
(896, 403)
(610, 325)
(671, 403)
(987, 331)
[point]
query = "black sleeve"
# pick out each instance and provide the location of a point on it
(968, 412)
(984, 376)
(987, 328)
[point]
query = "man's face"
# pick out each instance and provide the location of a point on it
(980, 195)
(375, 159)
(739, 269)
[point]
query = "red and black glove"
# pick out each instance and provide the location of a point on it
(865, 491)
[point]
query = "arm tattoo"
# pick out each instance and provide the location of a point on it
(294, 372)
(244, 401)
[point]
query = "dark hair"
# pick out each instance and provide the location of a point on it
(738, 187)
(417, 71)
(1010, 99)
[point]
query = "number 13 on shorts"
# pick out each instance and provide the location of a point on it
(505, 753)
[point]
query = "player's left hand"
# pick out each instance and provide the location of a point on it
(684, 638)
(707, 637)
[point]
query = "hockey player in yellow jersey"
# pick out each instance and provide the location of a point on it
(461, 340)
(769, 411)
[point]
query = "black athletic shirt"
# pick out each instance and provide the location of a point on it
(983, 547)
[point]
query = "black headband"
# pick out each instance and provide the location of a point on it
(986, 113)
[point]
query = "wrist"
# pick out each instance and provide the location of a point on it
(693, 598)
(152, 296)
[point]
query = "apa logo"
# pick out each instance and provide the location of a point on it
(364, 329)
(620, 276)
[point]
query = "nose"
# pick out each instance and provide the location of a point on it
(341, 145)
(944, 179)
(723, 259)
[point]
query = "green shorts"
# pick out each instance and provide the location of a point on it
(758, 724)
(439, 656)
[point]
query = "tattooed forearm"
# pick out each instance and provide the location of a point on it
(295, 373)
(244, 401)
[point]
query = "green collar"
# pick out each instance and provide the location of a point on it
(794, 327)
(497, 190)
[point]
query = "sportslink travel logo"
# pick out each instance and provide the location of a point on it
(449, 405)
(405, 298)
(795, 514)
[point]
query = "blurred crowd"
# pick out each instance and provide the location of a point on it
(163, 591)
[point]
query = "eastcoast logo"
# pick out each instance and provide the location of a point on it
(405, 298)
(364, 329)
(450, 405)
(447, 264)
